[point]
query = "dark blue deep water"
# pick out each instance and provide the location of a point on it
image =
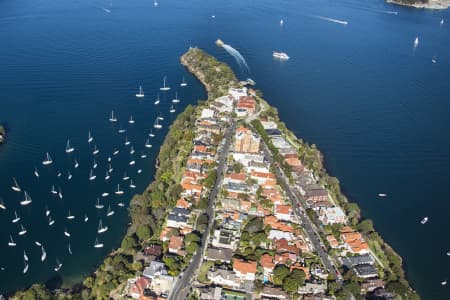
(377, 108)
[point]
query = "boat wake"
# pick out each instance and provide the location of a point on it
(237, 56)
(390, 12)
(332, 20)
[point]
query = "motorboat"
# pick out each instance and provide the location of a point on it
(280, 55)
(424, 220)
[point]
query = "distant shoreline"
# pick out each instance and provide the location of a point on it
(431, 4)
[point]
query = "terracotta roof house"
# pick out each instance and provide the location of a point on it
(245, 270)
(153, 250)
(266, 261)
(176, 244)
(283, 212)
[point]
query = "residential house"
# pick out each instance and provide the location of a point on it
(365, 271)
(272, 293)
(155, 269)
(224, 278)
(176, 244)
(246, 141)
(283, 212)
(332, 215)
(245, 270)
(266, 262)
(219, 254)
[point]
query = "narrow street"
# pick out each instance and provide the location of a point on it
(183, 284)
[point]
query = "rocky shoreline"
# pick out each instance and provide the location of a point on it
(430, 4)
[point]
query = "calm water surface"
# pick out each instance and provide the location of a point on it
(376, 107)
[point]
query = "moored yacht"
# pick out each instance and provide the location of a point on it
(11, 242)
(25, 256)
(69, 175)
(107, 177)
(164, 88)
(69, 148)
(66, 233)
(90, 138)
(125, 176)
(53, 191)
(110, 212)
(15, 187)
(25, 268)
(50, 221)
(127, 142)
(119, 191)
(176, 100)
(43, 253)
(424, 220)
(58, 266)
(101, 229)
(132, 185)
(132, 163)
(183, 83)
(172, 109)
(92, 175)
(36, 173)
(131, 120)
(96, 151)
(140, 94)
(157, 125)
(132, 150)
(160, 117)
(16, 218)
(280, 55)
(147, 144)
(2, 205)
(116, 151)
(98, 205)
(94, 165)
(416, 42)
(151, 134)
(48, 160)
(22, 230)
(70, 216)
(76, 164)
(27, 199)
(105, 194)
(112, 118)
(157, 100)
(97, 244)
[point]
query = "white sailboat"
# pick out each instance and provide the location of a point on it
(141, 93)
(132, 163)
(165, 88)
(66, 233)
(424, 221)
(444, 282)
(131, 120)
(58, 266)
(109, 158)
(121, 204)
(85, 218)
(15, 187)
(53, 191)
(60, 195)
(105, 194)
(25, 268)
(47, 211)
(2, 205)
(121, 130)
(172, 109)
(25, 256)
(112, 118)
(119, 191)
(125, 176)
(50, 221)
(48, 160)
(160, 117)
(442, 21)
(151, 134)
(132, 185)
(132, 150)
(69, 175)
(110, 168)
(69, 148)
(139, 171)
(183, 83)
(37, 243)
(92, 175)
(27, 199)
(157, 125)
(143, 155)
(281, 22)
(155, 3)
(69, 249)
(11, 242)
(76, 164)
(176, 100)
(107, 177)
(116, 151)
(416, 42)
(127, 142)
(70, 216)
(97, 244)
(157, 100)
(101, 229)
(110, 212)
(16, 218)
(90, 138)
(147, 144)
(382, 195)
(94, 165)
(43, 254)
(22, 230)
(36, 173)
(98, 205)
(59, 174)
(96, 151)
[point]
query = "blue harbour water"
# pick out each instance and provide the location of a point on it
(377, 108)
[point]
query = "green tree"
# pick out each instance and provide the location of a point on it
(366, 226)
(143, 232)
(279, 273)
(299, 276)
(128, 243)
(238, 167)
(290, 285)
